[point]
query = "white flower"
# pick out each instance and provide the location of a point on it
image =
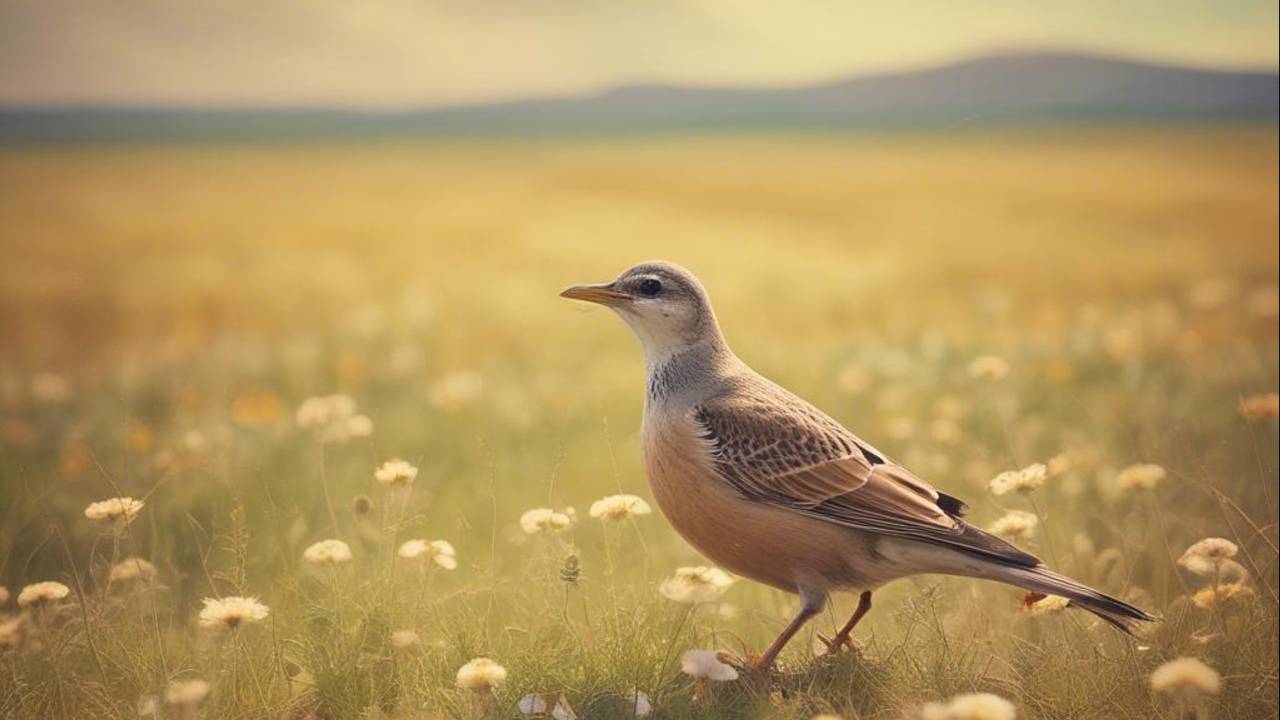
(1016, 525)
(1046, 605)
(980, 706)
(706, 665)
(618, 507)
(132, 569)
(989, 367)
(532, 705)
(328, 552)
(37, 594)
(186, 692)
(1186, 674)
(1024, 481)
(121, 508)
(1214, 550)
(333, 418)
(641, 705)
(481, 674)
(404, 639)
(439, 552)
(231, 612)
(563, 710)
(1140, 477)
(396, 472)
(540, 520)
(694, 585)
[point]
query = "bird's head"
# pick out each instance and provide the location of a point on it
(663, 303)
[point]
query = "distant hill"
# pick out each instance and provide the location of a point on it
(1008, 89)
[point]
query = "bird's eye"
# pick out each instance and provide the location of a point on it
(650, 287)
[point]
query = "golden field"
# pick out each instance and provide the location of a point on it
(166, 311)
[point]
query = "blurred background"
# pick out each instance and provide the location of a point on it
(212, 211)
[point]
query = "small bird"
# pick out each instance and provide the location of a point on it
(775, 490)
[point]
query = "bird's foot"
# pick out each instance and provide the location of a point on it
(841, 642)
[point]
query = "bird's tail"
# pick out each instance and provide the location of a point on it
(1034, 578)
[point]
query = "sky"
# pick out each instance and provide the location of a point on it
(407, 53)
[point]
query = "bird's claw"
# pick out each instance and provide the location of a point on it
(837, 644)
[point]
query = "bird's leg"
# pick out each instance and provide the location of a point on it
(843, 639)
(812, 604)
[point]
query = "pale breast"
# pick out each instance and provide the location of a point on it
(764, 543)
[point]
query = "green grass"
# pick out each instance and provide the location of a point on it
(192, 298)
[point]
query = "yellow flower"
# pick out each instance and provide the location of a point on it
(1214, 595)
(42, 593)
(1046, 605)
(989, 367)
(540, 520)
(132, 569)
(439, 552)
(396, 472)
(328, 552)
(481, 674)
(695, 585)
(1024, 481)
(1016, 525)
(231, 612)
(706, 665)
(121, 508)
(1141, 477)
(1186, 674)
(1260, 407)
(618, 507)
(257, 408)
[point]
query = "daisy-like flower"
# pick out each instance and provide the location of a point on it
(695, 585)
(532, 705)
(641, 705)
(396, 472)
(121, 509)
(1024, 481)
(989, 367)
(619, 507)
(1015, 525)
(1257, 408)
(186, 693)
(439, 552)
(540, 520)
(1141, 477)
(481, 674)
(405, 640)
(333, 418)
(1206, 556)
(132, 569)
(1034, 605)
(980, 706)
(1212, 596)
(231, 612)
(328, 552)
(1187, 675)
(706, 665)
(42, 593)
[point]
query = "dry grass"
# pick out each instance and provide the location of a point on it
(193, 297)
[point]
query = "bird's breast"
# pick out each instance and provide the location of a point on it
(749, 538)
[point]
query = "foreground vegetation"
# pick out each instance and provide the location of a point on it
(241, 338)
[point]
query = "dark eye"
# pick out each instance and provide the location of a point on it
(650, 287)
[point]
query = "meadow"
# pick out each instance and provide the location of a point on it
(240, 336)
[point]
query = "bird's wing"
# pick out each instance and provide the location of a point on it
(773, 447)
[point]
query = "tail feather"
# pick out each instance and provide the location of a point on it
(930, 558)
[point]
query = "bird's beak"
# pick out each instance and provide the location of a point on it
(603, 294)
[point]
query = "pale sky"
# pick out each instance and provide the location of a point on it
(397, 53)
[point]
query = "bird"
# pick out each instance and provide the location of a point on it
(771, 488)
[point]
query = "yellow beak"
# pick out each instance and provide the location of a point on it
(603, 294)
